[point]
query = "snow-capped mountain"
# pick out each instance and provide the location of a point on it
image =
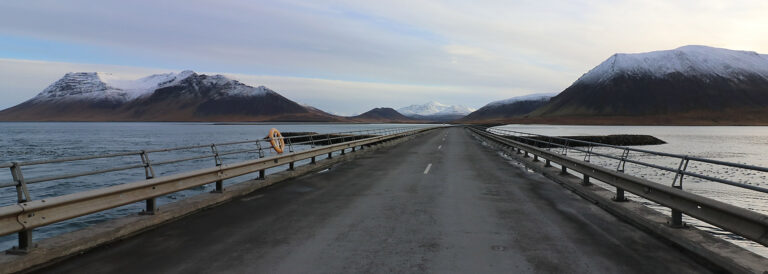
(529, 97)
(697, 84)
(689, 61)
(509, 108)
(434, 108)
(183, 96)
(107, 87)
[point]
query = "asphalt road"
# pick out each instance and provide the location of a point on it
(440, 203)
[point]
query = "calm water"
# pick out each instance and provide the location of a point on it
(746, 145)
(28, 141)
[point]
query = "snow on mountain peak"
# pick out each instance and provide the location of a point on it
(692, 60)
(435, 108)
(81, 85)
(106, 86)
(529, 97)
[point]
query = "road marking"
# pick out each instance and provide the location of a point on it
(440, 146)
(251, 198)
(443, 139)
(427, 169)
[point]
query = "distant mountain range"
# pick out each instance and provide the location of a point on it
(184, 96)
(510, 108)
(189, 96)
(383, 115)
(434, 111)
(694, 85)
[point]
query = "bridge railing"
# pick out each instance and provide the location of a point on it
(738, 220)
(262, 146)
(681, 171)
(27, 213)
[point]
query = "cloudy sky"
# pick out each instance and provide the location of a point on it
(349, 56)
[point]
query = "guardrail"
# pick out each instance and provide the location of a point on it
(28, 214)
(740, 221)
(680, 171)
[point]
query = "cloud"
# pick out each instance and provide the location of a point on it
(486, 50)
(23, 79)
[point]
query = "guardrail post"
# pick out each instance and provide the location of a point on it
(620, 195)
(353, 148)
(525, 154)
(535, 158)
(342, 151)
(677, 219)
(677, 215)
(588, 155)
(290, 145)
(149, 172)
(565, 148)
(151, 207)
(25, 244)
(547, 163)
(585, 181)
(261, 150)
(25, 236)
(290, 166)
(313, 160)
(623, 161)
(22, 193)
(563, 171)
(330, 155)
(219, 184)
(620, 191)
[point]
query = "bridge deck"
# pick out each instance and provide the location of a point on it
(471, 212)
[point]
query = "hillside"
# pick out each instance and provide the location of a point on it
(435, 111)
(509, 108)
(383, 115)
(687, 85)
(184, 96)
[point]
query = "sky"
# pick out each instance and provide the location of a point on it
(346, 57)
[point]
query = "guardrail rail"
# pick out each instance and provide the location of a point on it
(27, 214)
(744, 222)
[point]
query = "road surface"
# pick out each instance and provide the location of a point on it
(440, 203)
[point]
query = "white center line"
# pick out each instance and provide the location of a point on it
(428, 167)
(440, 146)
(251, 198)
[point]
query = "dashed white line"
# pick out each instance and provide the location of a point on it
(439, 147)
(427, 169)
(251, 198)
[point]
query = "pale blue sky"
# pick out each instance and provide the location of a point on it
(349, 56)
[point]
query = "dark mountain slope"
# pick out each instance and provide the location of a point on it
(383, 115)
(185, 96)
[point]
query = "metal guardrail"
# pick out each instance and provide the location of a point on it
(740, 221)
(680, 171)
(28, 214)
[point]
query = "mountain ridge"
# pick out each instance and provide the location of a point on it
(184, 96)
(691, 60)
(434, 108)
(509, 108)
(383, 115)
(715, 83)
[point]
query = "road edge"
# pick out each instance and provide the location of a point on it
(701, 245)
(52, 250)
